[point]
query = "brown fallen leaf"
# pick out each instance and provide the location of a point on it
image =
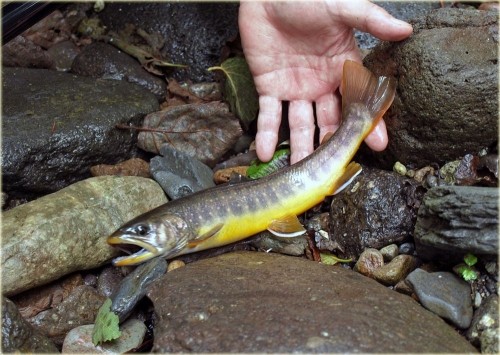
(224, 175)
(205, 131)
(131, 167)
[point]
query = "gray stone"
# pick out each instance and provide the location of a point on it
(18, 336)
(66, 231)
(55, 126)
(79, 308)
(396, 270)
(380, 208)
(102, 60)
(444, 294)
(446, 103)
(483, 331)
(109, 280)
(180, 174)
(455, 220)
(270, 303)
(194, 32)
(389, 252)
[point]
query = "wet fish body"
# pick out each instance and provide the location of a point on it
(223, 215)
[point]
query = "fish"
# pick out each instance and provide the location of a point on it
(226, 214)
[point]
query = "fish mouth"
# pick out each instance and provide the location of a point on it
(128, 244)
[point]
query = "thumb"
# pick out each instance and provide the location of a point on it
(368, 17)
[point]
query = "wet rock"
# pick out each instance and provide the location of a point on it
(483, 331)
(79, 339)
(56, 125)
(63, 54)
(131, 167)
(102, 60)
(403, 287)
(475, 170)
(455, 220)
(447, 98)
(18, 336)
(389, 252)
(288, 246)
(407, 248)
(66, 231)
(259, 302)
(21, 52)
(109, 281)
(79, 308)
(194, 33)
(378, 210)
(180, 174)
(396, 270)
(369, 260)
(403, 10)
(444, 294)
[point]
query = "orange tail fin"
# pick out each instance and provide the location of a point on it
(359, 85)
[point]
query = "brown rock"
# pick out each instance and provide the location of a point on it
(369, 260)
(396, 270)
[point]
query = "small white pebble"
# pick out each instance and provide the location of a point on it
(175, 264)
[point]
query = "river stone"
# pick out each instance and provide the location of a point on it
(483, 331)
(66, 231)
(57, 125)
(455, 220)
(269, 303)
(395, 270)
(446, 103)
(444, 294)
(18, 336)
(379, 209)
(102, 60)
(195, 33)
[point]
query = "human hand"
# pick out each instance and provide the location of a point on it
(295, 51)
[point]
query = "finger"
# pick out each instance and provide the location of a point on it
(328, 112)
(377, 139)
(368, 17)
(268, 124)
(301, 121)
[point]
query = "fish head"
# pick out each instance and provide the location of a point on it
(154, 236)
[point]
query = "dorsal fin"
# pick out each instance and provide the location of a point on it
(359, 85)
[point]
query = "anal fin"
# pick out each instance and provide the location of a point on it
(288, 226)
(351, 171)
(207, 235)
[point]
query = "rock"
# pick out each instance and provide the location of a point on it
(18, 336)
(66, 231)
(378, 210)
(180, 174)
(79, 308)
(483, 331)
(135, 285)
(288, 246)
(79, 339)
(444, 294)
(180, 24)
(63, 54)
(73, 130)
(389, 252)
(456, 220)
(131, 167)
(175, 264)
(21, 52)
(261, 302)
(369, 260)
(109, 280)
(407, 248)
(102, 60)
(446, 103)
(396, 270)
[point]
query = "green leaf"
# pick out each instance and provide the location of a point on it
(467, 272)
(470, 259)
(106, 325)
(239, 89)
(259, 169)
(330, 259)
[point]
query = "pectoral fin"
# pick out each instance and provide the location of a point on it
(351, 171)
(207, 235)
(288, 226)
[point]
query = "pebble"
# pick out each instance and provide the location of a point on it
(483, 331)
(389, 252)
(369, 260)
(175, 264)
(407, 248)
(399, 168)
(396, 270)
(109, 281)
(79, 339)
(444, 294)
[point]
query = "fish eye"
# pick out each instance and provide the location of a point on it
(141, 229)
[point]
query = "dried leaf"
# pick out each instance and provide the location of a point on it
(239, 89)
(205, 131)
